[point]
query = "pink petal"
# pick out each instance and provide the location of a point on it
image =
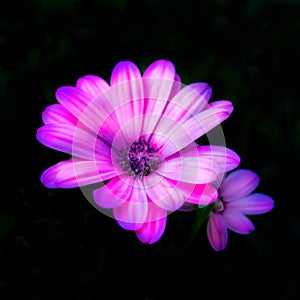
(252, 205)
(127, 95)
(203, 194)
(72, 99)
(49, 175)
(175, 136)
(238, 184)
(73, 141)
(217, 232)
(91, 112)
(132, 214)
(154, 227)
(225, 104)
(56, 113)
(92, 85)
(187, 207)
(158, 82)
(81, 173)
(224, 157)
(113, 194)
(237, 222)
(188, 166)
(163, 192)
(188, 102)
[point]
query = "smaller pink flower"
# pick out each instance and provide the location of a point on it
(235, 201)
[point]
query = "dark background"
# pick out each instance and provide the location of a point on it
(54, 243)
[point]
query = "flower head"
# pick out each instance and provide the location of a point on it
(234, 202)
(137, 134)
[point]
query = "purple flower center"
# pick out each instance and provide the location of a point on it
(218, 206)
(142, 158)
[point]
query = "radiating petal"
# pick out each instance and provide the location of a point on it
(203, 194)
(73, 99)
(92, 85)
(81, 173)
(226, 158)
(238, 184)
(254, 204)
(237, 222)
(183, 166)
(56, 113)
(113, 194)
(217, 232)
(158, 82)
(152, 230)
(132, 214)
(175, 136)
(176, 86)
(73, 141)
(49, 175)
(127, 95)
(188, 102)
(225, 104)
(163, 192)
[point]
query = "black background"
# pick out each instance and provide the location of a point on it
(54, 243)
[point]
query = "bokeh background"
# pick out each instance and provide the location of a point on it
(54, 243)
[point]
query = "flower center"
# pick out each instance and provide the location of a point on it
(218, 206)
(142, 158)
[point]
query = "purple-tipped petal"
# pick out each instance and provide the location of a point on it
(237, 222)
(203, 194)
(92, 85)
(74, 141)
(176, 86)
(196, 170)
(73, 99)
(57, 114)
(188, 102)
(132, 214)
(113, 194)
(158, 82)
(81, 173)
(217, 232)
(224, 157)
(127, 95)
(175, 136)
(254, 204)
(238, 185)
(49, 175)
(225, 104)
(154, 227)
(163, 192)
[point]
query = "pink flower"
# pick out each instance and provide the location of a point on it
(138, 134)
(234, 202)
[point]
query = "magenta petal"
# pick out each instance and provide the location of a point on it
(203, 194)
(73, 99)
(254, 204)
(224, 157)
(56, 113)
(154, 227)
(176, 86)
(181, 135)
(163, 192)
(73, 141)
(49, 175)
(127, 96)
(81, 173)
(217, 232)
(132, 214)
(237, 222)
(238, 184)
(92, 85)
(188, 102)
(113, 194)
(225, 104)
